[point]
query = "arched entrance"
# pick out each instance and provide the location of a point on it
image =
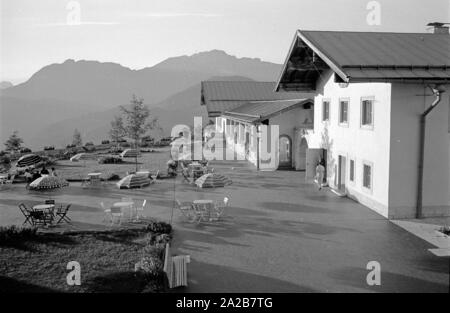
(302, 155)
(285, 152)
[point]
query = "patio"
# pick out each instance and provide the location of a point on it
(279, 234)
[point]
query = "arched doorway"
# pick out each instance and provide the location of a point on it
(302, 155)
(285, 152)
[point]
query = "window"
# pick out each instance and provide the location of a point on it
(325, 110)
(343, 111)
(352, 170)
(367, 176)
(367, 112)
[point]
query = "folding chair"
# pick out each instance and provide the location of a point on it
(186, 210)
(62, 214)
(116, 213)
(140, 210)
(202, 213)
(41, 218)
(27, 213)
(107, 212)
(219, 207)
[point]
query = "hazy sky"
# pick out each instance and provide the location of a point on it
(138, 34)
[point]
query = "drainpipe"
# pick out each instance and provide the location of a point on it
(423, 122)
(257, 147)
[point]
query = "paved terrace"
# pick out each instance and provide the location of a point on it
(280, 235)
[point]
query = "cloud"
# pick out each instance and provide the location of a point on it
(174, 14)
(87, 23)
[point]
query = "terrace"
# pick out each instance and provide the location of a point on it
(280, 234)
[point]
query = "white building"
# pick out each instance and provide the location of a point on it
(371, 92)
(243, 109)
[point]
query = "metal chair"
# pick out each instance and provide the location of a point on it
(220, 206)
(140, 210)
(62, 214)
(107, 212)
(27, 213)
(186, 210)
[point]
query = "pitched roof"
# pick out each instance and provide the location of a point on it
(260, 110)
(380, 55)
(221, 96)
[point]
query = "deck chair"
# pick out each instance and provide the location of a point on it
(26, 212)
(175, 268)
(219, 207)
(186, 210)
(62, 214)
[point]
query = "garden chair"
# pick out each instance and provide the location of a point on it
(27, 213)
(186, 176)
(186, 210)
(116, 213)
(140, 210)
(155, 177)
(62, 214)
(49, 201)
(219, 207)
(41, 218)
(175, 268)
(201, 213)
(107, 212)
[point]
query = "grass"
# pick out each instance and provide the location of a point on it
(79, 170)
(36, 262)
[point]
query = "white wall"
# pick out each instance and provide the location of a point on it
(407, 105)
(354, 142)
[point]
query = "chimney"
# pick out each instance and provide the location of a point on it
(439, 28)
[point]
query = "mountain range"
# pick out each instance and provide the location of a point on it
(87, 94)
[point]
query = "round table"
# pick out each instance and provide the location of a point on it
(206, 206)
(43, 207)
(125, 205)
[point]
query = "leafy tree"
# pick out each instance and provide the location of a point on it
(77, 138)
(14, 142)
(117, 131)
(137, 123)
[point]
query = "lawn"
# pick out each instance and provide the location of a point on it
(153, 161)
(37, 262)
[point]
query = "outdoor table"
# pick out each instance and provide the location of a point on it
(125, 205)
(43, 207)
(46, 208)
(207, 206)
(94, 178)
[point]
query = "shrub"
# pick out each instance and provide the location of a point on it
(14, 233)
(151, 265)
(159, 227)
(157, 240)
(445, 230)
(110, 160)
(113, 177)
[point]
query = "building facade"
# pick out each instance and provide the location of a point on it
(367, 117)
